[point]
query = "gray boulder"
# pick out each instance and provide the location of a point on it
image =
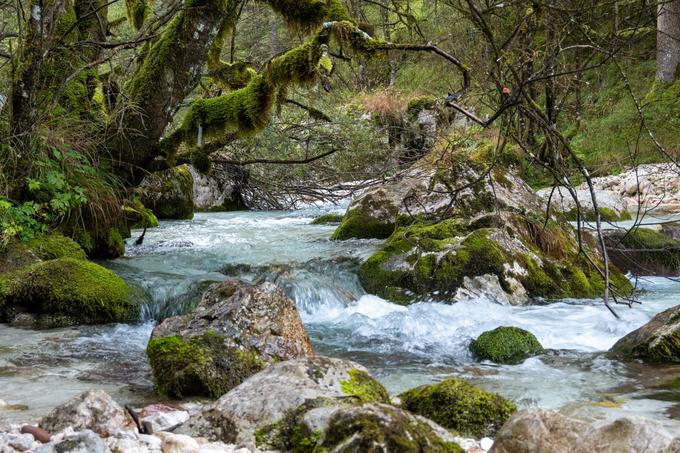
(169, 193)
(236, 330)
(276, 392)
(546, 431)
(656, 341)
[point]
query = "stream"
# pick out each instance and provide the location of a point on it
(402, 346)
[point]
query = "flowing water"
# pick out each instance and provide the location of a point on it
(402, 346)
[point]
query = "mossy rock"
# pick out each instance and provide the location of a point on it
(75, 291)
(509, 345)
(364, 387)
(425, 258)
(200, 366)
(169, 193)
(658, 341)
(327, 218)
(56, 245)
(357, 224)
(459, 406)
(644, 251)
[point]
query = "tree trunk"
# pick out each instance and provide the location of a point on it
(668, 41)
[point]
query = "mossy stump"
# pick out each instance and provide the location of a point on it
(459, 406)
(509, 345)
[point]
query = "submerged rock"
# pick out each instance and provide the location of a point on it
(644, 251)
(656, 341)
(94, 410)
(459, 406)
(169, 193)
(236, 330)
(279, 391)
(546, 431)
(68, 291)
(506, 345)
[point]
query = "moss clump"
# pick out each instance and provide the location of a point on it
(54, 246)
(199, 366)
(79, 291)
(506, 345)
(606, 214)
(459, 406)
(357, 224)
(361, 385)
(327, 218)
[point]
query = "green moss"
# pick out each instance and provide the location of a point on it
(201, 161)
(138, 12)
(364, 387)
(200, 366)
(506, 345)
(606, 214)
(308, 14)
(56, 245)
(75, 289)
(375, 428)
(327, 218)
(357, 224)
(459, 406)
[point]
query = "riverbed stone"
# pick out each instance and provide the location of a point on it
(459, 406)
(164, 421)
(92, 410)
(169, 193)
(656, 341)
(612, 205)
(276, 392)
(236, 330)
(506, 344)
(547, 431)
(85, 441)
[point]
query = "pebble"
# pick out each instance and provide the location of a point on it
(38, 433)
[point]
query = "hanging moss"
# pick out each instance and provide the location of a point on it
(305, 15)
(201, 161)
(138, 11)
(459, 406)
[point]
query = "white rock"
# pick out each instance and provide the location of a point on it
(21, 442)
(486, 443)
(177, 443)
(164, 421)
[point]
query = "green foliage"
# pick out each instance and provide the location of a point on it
(199, 366)
(506, 345)
(459, 406)
(76, 290)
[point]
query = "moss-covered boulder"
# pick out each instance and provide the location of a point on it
(506, 345)
(459, 406)
(169, 193)
(236, 330)
(54, 246)
(513, 257)
(69, 291)
(321, 426)
(326, 219)
(267, 408)
(656, 341)
(644, 251)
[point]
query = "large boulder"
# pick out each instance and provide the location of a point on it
(656, 341)
(546, 431)
(236, 330)
(612, 205)
(462, 228)
(67, 291)
(169, 193)
(248, 411)
(92, 410)
(371, 427)
(217, 190)
(459, 406)
(506, 345)
(644, 251)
